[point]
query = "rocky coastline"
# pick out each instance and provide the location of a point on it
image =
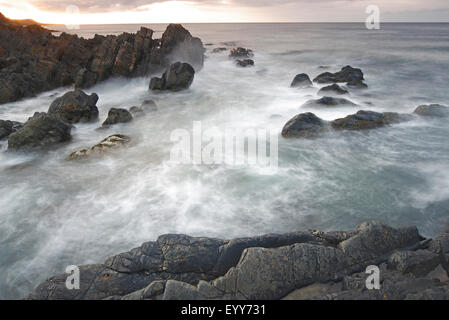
(307, 265)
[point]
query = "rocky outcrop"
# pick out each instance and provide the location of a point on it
(241, 53)
(328, 102)
(8, 127)
(33, 60)
(116, 115)
(301, 81)
(301, 265)
(333, 89)
(179, 76)
(347, 74)
(41, 131)
(433, 110)
(75, 106)
(245, 63)
(107, 146)
(305, 125)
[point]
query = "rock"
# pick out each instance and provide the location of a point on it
(136, 111)
(75, 106)
(149, 106)
(439, 273)
(239, 53)
(420, 262)
(304, 125)
(40, 131)
(245, 63)
(106, 146)
(219, 50)
(328, 102)
(33, 60)
(347, 74)
(433, 110)
(358, 84)
(363, 120)
(116, 115)
(301, 81)
(8, 127)
(332, 89)
(177, 77)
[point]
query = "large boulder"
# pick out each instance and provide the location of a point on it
(363, 120)
(40, 131)
(328, 102)
(301, 81)
(333, 89)
(433, 110)
(304, 125)
(179, 76)
(8, 127)
(116, 115)
(347, 74)
(106, 146)
(75, 106)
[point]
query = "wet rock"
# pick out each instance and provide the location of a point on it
(433, 110)
(149, 106)
(328, 102)
(219, 50)
(363, 120)
(75, 106)
(347, 74)
(301, 81)
(116, 115)
(334, 89)
(245, 63)
(106, 146)
(8, 127)
(241, 53)
(357, 84)
(304, 125)
(136, 111)
(177, 77)
(40, 131)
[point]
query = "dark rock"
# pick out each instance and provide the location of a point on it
(116, 115)
(301, 81)
(8, 127)
(241, 53)
(177, 77)
(433, 110)
(245, 63)
(363, 120)
(33, 60)
(420, 262)
(347, 74)
(358, 84)
(332, 89)
(106, 146)
(75, 106)
(40, 131)
(328, 102)
(304, 125)
(219, 50)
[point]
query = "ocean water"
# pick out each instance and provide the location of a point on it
(55, 213)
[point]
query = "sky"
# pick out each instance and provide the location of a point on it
(163, 11)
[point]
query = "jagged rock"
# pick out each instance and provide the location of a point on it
(328, 102)
(304, 125)
(420, 262)
(8, 127)
(177, 77)
(106, 146)
(301, 81)
(75, 106)
(433, 110)
(33, 60)
(363, 120)
(116, 115)
(347, 74)
(245, 63)
(241, 53)
(332, 89)
(40, 131)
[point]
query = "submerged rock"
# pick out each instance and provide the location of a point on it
(239, 53)
(149, 106)
(116, 115)
(106, 146)
(347, 74)
(304, 125)
(8, 127)
(309, 264)
(40, 131)
(301, 81)
(245, 63)
(75, 106)
(328, 102)
(433, 110)
(332, 89)
(177, 77)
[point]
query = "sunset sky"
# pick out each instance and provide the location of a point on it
(161, 11)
